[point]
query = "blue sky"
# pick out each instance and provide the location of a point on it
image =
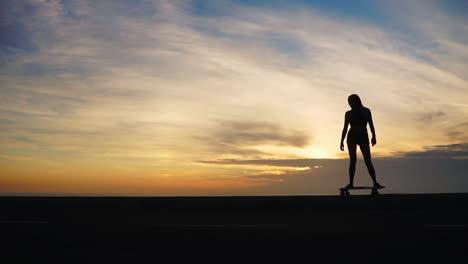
(154, 93)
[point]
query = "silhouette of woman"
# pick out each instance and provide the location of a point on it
(358, 117)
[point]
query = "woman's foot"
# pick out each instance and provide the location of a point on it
(349, 186)
(377, 185)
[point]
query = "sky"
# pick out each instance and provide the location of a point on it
(229, 97)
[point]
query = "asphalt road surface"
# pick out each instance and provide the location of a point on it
(288, 229)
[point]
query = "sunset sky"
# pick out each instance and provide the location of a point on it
(229, 97)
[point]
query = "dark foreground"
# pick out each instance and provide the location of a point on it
(289, 229)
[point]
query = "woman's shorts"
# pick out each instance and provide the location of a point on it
(358, 138)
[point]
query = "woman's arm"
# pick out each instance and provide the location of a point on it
(345, 130)
(372, 129)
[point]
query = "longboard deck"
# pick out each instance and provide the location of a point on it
(361, 188)
(345, 190)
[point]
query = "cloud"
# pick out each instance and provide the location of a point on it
(458, 132)
(256, 133)
(438, 34)
(241, 137)
(459, 150)
(24, 139)
(267, 170)
(429, 117)
(270, 162)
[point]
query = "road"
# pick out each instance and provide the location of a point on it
(387, 228)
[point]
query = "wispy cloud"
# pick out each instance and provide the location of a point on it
(270, 162)
(244, 137)
(458, 132)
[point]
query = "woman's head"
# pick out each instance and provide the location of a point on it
(354, 101)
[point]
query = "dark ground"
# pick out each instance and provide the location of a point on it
(289, 229)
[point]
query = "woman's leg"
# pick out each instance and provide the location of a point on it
(365, 149)
(352, 162)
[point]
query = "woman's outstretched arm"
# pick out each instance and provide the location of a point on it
(345, 130)
(372, 129)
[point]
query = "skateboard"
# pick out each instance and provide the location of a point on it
(345, 191)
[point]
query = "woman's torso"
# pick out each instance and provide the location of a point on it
(358, 118)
